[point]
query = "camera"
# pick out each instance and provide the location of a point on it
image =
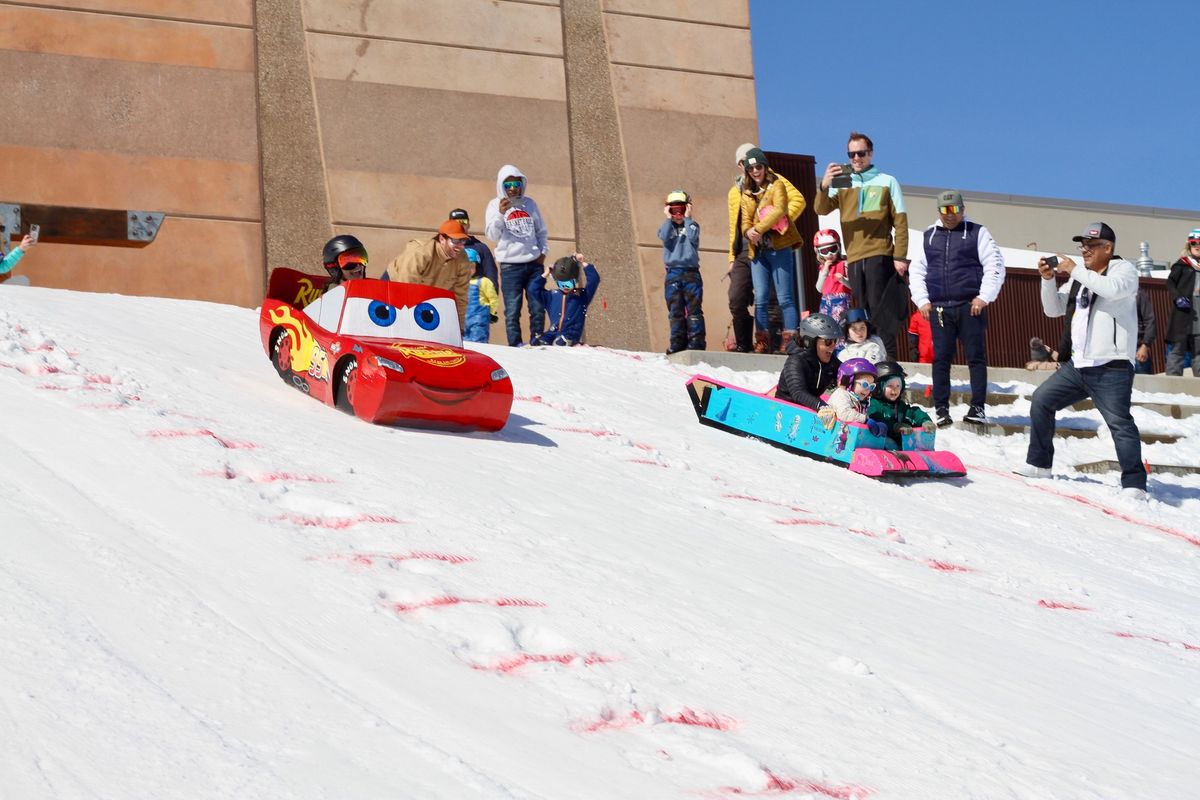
(1052, 262)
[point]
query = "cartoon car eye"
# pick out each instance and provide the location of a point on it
(381, 313)
(433, 320)
(427, 316)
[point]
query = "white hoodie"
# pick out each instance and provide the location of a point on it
(520, 233)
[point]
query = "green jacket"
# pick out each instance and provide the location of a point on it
(896, 414)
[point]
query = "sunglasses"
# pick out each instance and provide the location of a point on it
(868, 385)
(857, 153)
(949, 209)
(753, 167)
(827, 342)
(352, 259)
(1092, 245)
(512, 185)
(828, 250)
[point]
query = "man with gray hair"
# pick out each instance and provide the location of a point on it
(956, 275)
(1100, 304)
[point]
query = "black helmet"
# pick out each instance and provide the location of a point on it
(565, 269)
(888, 369)
(338, 245)
(857, 315)
(819, 326)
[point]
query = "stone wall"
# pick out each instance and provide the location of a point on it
(261, 128)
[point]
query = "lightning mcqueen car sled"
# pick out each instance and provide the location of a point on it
(385, 351)
(799, 430)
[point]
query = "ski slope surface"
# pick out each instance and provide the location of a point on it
(213, 586)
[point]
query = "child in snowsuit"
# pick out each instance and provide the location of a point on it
(889, 407)
(482, 303)
(832, 282)
(849, 402)
(860, 338)
(566, 306)
(811, 366)
(682, 286)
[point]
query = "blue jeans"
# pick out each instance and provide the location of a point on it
(949, 325)
(516, 282)
(1109, 387)
(768, 266)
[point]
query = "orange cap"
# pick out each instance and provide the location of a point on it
(454, 229)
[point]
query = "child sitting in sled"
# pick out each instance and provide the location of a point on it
(567, 305)
(851, 399)
(889, 406)
(860, 338)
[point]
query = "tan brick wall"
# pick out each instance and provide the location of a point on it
(388, 115)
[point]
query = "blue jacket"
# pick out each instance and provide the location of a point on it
(11, 260)
(956, 266)
(567, 311)
(681, 243)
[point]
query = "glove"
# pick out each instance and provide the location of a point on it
(827, 415)
(493, 318)
(904, 430)
(876, 427)
(929, 426)
(1183, 303)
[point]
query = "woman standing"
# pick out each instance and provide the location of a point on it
(771, 237)
(1183, 326)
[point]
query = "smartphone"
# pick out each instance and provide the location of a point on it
(843, 181)
(1052, 261)
(34, 230)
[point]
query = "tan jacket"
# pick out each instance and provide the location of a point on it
(422, 263)
(780, 200)
(795, 207)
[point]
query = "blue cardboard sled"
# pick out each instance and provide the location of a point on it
(799, 430)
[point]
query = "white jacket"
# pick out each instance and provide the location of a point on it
(872, 349)
(520, 233)
(1112, 331)
(848, 406)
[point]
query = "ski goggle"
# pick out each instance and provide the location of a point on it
(828, 250)
(949, 209)
(1192, 242)
(677, 208)
(510, 185)
(352, 259)
(566, 286)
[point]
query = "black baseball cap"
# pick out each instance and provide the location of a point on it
(459, 213)
(1096, 230)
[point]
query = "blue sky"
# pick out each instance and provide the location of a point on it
(1016, 97)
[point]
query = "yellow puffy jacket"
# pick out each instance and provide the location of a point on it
(795, 207)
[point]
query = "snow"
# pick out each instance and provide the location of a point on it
(215, 587)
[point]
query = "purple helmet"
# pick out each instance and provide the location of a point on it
(855, 366)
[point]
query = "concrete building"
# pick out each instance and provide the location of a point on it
(263, 127)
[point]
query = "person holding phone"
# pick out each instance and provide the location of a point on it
(514, 222)
(874, 233)
(10, 259)
(1099, 301)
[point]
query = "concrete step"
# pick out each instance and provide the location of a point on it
(1112, 466)
(916, 396)
(1016, 428)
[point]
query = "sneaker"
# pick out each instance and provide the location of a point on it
(975, 416)
(942, 418)
(1134, 493)
(1030, 471)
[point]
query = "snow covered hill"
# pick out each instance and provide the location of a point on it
(212, 586)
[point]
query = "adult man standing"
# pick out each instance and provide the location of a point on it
(1100, 303)
(440, 261)
(957, 274)
(871, 208)
(484, 257)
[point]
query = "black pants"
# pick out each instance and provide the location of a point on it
(879, 289)
(951, 324)
(741, 297)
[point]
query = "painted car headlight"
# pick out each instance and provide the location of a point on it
(387, 363)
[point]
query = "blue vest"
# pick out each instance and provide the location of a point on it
(953, 272)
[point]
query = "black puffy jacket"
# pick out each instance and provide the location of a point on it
(804, 377)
